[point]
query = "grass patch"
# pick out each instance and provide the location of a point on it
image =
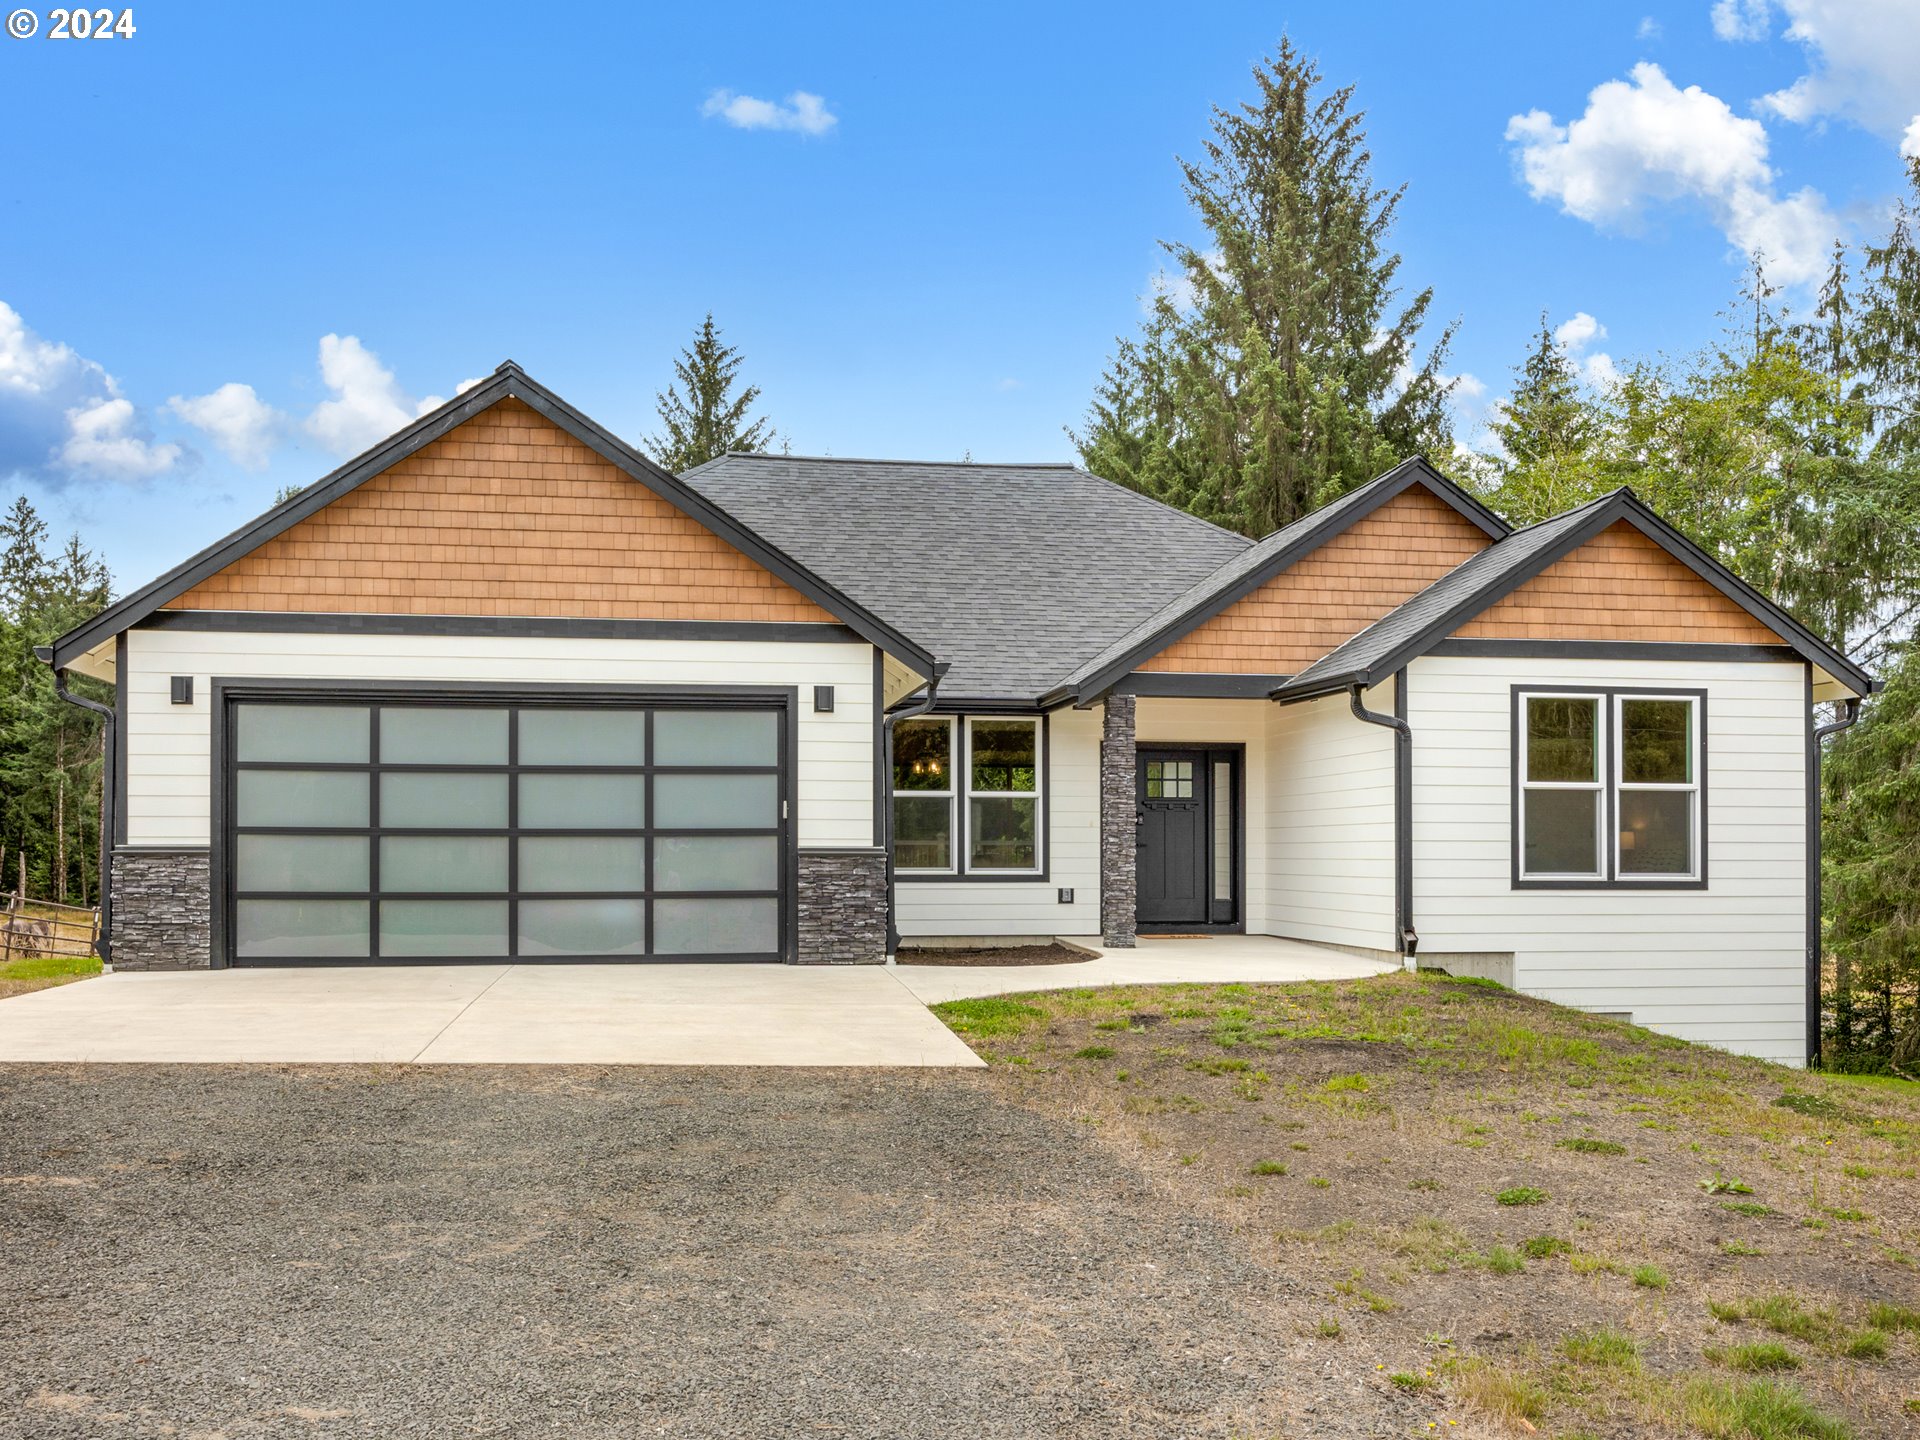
(1739, 1247)
(1650, 1277)
(990, 1017)
(1868, 1344)
(1603, 1349)
(42, 972)
(1503, 1261)
(1586, 1146)
(1500, 1393)
(1095, 1052)
(1523, 1195)
(1267, 1167)
(1761, 1357)
(1544, 1247)
(1406, 1380)
(1725, 1185)
(1782, 1314)
(1748, 1207)
(1758, 1410)
(1893, 1317)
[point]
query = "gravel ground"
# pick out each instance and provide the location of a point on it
(354, 1251)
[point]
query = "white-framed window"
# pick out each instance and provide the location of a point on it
(1608, 787)
(924, 831)
(1003, 795)
(1657, 787)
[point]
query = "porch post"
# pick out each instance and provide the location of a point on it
(1118, 816)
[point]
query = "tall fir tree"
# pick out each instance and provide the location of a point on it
(709, 419)
(1279, 368)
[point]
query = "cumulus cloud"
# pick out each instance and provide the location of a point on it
(1574, 336)
(368, 403)
(1863, 59)
(1741, 20)
(802, 111)
(1644, 142)
(1910, 141)
(241, 425)
(62, 416)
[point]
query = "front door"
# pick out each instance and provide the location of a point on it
(1174, 871)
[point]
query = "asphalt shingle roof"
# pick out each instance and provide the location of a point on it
(1015, 574)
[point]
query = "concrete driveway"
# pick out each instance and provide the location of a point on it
(487, 1014)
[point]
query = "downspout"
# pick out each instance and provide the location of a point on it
(892, 718)
(1849, 717)
(1408, 939)
(108, 782)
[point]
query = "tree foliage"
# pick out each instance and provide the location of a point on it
(709, 419)
(1278, 369)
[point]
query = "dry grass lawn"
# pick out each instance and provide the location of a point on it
(1554, 1224)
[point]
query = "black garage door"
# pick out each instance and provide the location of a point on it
(398, 830)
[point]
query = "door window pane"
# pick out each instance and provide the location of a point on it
(922, 832)
(923, 755)
(583, 802)
(1562, 738)
(442, 735)
(715, 737)
(1656, 832)
(443, 862)
(1005, 754)
(443, 927)
(583, 927)
(300, 862)
(716, 862)
(1561, 837)
(582, 737)
(716, 927)
(418, 801)
(583, 863)
(320, 929)
(1002, 833)
(323, 799)
(1656, 742)
(318, 734)
(714, 802)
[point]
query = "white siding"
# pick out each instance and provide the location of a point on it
(1330, 823)
(1724, 965)
(1030, 907)
(168, 745)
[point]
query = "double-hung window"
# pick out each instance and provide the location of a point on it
(1608, 788)
(966, 796)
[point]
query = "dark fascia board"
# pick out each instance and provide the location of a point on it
(1395, 482)
(1622, 504)
(1194, 686)
(360, 622)
(508, 382)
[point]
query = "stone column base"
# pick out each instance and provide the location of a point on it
(162, 909)
(1119, 817)
(842, 917)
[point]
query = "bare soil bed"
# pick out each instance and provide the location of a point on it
(1523, 1219)
(1001, 955)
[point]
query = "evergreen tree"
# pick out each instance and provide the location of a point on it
(709, 420)
(1292, 375)
(1550, 435)
(1890, 325)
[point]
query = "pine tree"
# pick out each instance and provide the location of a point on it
(1292, 375)
(709, 420)
(1550, 435)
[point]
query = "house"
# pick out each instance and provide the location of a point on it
(502, 688)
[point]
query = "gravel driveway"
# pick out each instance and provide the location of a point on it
(374, 1251)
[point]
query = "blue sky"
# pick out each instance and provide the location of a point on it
(928, 252)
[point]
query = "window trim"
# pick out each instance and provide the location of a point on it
(1609, 698)
(963, 873)
(1597, 787)
(1039, 788)
(950, 795)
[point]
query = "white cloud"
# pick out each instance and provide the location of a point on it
(1645, 142)
(1649, 29)
(242, 425)
(466, 385)
(1574, 336)
(1177, 286)
(1910, 142)
(62, 416)
(1863, 60)
(802, 111)
(1582, 330)
(1741, 20)
(368, 404)
(1468, 386)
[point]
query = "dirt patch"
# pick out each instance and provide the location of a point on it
(1537, 1218)
(1004, 955)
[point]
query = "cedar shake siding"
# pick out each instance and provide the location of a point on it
(1331, 594)
(505, 515)
(1620, 585)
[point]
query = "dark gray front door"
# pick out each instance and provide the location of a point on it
(1173, 837)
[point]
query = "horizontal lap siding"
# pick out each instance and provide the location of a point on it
(1029, 907)
(1330, 823)
(168, 746)
(1724, 965)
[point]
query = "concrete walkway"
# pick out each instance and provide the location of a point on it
(589, 1014)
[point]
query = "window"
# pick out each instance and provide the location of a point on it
(996, 831)
(1608, 788)
(1170, 779)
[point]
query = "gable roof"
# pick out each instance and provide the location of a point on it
(1260, 563)
(1436, 612)
(509, 381)
(1014, 573)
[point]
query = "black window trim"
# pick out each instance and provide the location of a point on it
(1609, 697)
(962, 873)
(227, 691)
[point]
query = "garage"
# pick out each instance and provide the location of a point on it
(401, 827)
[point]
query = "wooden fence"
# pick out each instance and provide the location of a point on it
(40, 927)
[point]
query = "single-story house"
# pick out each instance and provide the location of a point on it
(501, 687)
